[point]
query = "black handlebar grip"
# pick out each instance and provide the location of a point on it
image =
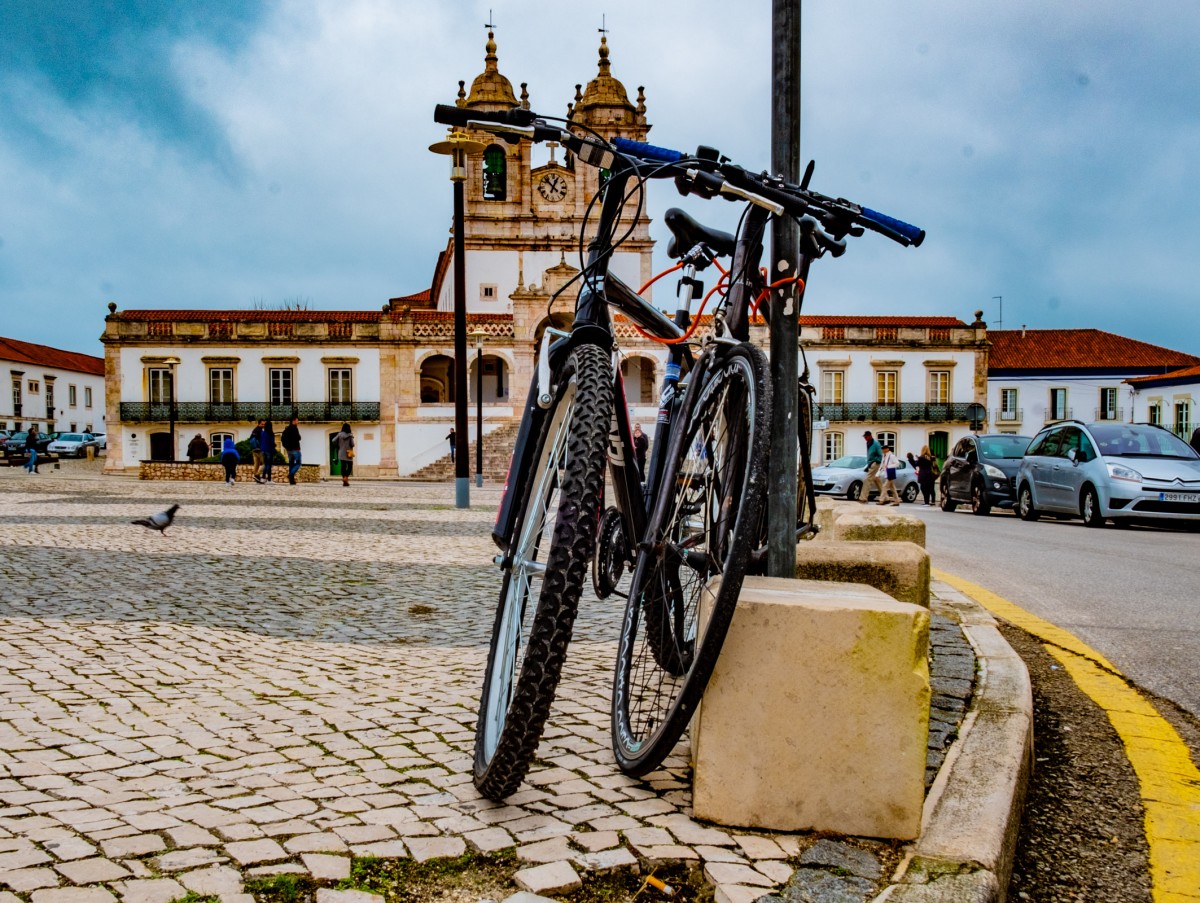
(451, 115)
(892, 227)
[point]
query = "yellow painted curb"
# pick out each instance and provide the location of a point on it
(1168, 778)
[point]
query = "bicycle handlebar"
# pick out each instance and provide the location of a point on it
(647, 151)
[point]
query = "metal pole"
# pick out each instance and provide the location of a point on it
(462, 465)
(479, 414)
(785, 323)
(171, 413)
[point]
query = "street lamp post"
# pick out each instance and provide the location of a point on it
(478, 334)
(172, 362)
(457, 145)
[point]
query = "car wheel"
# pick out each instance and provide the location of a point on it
(948, 504)
(1089, 507)
(1025, 508)
(979, 501)
(911, 491)
(854, 491)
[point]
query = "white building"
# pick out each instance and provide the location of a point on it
(1038, 376)
(59, 391)
(1171, 400)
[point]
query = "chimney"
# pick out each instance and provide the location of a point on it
(1022, 330)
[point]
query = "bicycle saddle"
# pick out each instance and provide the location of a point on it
(686, 233)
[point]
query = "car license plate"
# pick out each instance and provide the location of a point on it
(1192, 497)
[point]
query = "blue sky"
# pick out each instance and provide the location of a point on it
(227, 153)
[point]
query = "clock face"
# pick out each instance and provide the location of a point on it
(552, 187)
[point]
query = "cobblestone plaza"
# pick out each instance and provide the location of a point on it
(287, 677)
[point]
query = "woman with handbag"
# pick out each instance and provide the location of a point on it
(889, 466)
(345, 452)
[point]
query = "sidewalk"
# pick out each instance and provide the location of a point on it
(288, 679)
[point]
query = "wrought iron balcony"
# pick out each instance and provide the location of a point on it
(248, 411)
(1110, 414)
(907, 412)
(1001, 415)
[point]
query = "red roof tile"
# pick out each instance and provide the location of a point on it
(251, 316)
(1187, 373)
(419, 298)
(1079, 349)
(45, 356)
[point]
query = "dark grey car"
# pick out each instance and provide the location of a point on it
(981, 472)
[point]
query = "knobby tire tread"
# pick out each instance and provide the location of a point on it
(570, 553)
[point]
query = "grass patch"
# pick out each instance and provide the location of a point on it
(281, 888)
(192, 897)
(421, 609)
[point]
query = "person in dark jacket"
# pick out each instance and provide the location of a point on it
(641, 443)
(290, 440)
(256, 449)
(345, 452)
(1196, 439)
(31, 441)
(197, 448)
(230, 458)
(874, 461)
(268, 451)
(923, 464)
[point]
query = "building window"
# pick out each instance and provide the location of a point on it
(939, 386)
(70, 396)
(35, 387)
(49, 399)
(281, 385)
(886, 386)
(835, 446)
(160, 386)
(487, 293)
(833, 384)
(1008, 404)
(495, 174)
(1108, 405)
(886, 438)
(339, 386)
(220, 385)
(87, 396)
(1183, 418)
(16, 384)
(1156, 414)
(1058, 404)
(216, 441)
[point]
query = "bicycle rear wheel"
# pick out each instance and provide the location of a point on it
(549, 555)
(703, 527)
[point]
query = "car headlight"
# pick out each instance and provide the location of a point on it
(1121, 472)
(994, 472)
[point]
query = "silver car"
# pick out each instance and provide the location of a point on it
(1109, 470)
(73, 444)
(846, 476)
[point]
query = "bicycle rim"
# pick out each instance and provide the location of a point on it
(703, 528)
(539, 596)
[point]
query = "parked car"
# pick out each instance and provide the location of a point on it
(101, 441)
(846, 476)
(982, 472)
(73, 445)
(14, 445)
(1109, 470)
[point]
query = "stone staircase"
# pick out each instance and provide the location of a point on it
(497, 451)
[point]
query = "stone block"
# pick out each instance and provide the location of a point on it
(817, 713)
(877, 523)
(900, 569)
(552, 878)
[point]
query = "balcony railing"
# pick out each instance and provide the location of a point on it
(907, 412)
(1110, 414)
(1055, 416)
(1008, 416)
(247, 411)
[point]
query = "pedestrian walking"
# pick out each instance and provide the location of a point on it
(889, 465)
(31, 441)
(874, 459)
(345, 452)
(1195, 442)
(641, 443)
(450, 439)
(290, 440)
(268, 451)
(256, 450)
(925, 464)
(197, 448)
(230, 459)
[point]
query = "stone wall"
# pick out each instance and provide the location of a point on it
(163, 470)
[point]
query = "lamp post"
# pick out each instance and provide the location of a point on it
(479, 334)
(457, 145)
(172, 362)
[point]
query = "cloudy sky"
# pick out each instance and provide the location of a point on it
(226, 153)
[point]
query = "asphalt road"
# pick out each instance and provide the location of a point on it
(1132, 594)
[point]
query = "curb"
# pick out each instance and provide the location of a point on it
(973, 810)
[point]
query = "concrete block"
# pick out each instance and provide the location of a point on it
(817, 714)
(876, 523)
(900, 569)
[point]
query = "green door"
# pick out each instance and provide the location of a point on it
(939, 446)
(335, 466)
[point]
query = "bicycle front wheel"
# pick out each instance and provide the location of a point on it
(692, 559)
(548, 559)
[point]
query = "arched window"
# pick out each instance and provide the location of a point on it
(495, 174)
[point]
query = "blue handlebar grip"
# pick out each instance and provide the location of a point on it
(911, 233)
(647, 151)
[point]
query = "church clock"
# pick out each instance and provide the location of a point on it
(552, 186)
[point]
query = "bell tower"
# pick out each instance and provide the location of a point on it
(521, 220)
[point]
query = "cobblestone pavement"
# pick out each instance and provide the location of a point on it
(287, 678)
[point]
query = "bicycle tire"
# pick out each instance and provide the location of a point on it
(556, 525)
(703, 526)
(806, 498)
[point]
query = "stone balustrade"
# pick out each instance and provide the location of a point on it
(186, 470)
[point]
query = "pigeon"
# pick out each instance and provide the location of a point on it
(159, 521)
